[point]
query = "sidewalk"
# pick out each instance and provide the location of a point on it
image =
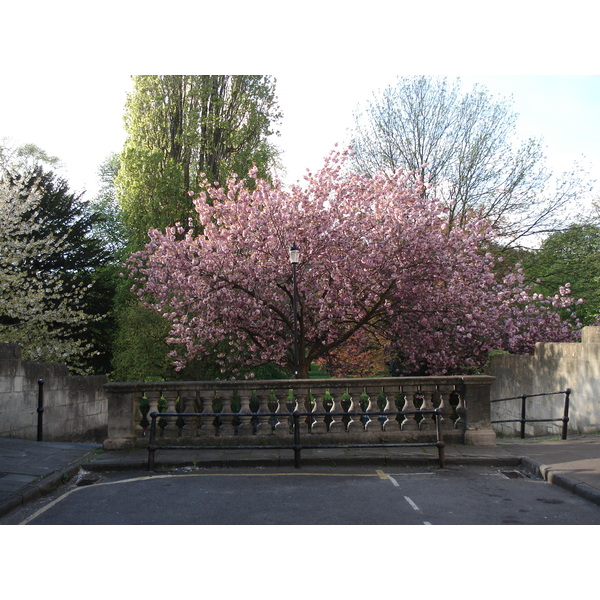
(29, 469)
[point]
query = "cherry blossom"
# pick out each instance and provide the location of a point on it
(376, 262)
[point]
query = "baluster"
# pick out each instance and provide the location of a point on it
(461, 421)
(245, 426)
(197, 408)
(373, 424)
(409, 423)
(207, 427)
(227, 428)
(182, 402)
(426, 423)
(355, 423)
(162, 406)
(153, 397)
(336, 425)
(445, 409)
(303, 403)
(390, 423)
(282, 427)
(306, 403)
(169, 398)
(264, 426)
(317, 424)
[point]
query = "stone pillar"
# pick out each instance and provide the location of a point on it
(479, 430)
(120, 420)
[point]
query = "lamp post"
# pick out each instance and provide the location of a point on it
(294, 259)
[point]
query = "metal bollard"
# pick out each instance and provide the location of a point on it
(40, 411)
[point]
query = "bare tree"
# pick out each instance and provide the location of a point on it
(465, 149)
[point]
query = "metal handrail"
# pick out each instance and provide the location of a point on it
(297, 446)
(523, 420)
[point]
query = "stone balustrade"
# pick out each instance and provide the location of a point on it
(262, 410)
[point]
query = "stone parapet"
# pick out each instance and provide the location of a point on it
(463, 401)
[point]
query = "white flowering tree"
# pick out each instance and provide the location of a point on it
(38, 310)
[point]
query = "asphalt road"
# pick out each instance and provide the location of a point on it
(321, 496)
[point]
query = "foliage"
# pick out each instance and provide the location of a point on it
(41, 308)
(179, 128)
(464, 147)
(109, 227)
(140, 351)
(572, 255)
(62, 212)
(377, 259)
(26, 158)
(82, 259)
(361, 356)
(182, 128)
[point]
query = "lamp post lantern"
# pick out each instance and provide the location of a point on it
(294, 259)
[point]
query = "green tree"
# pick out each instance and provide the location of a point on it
(82, 266)
(43, 306)
(27, 157)
(109, 228)
(570, 256)
(465, 149)
(181, 127)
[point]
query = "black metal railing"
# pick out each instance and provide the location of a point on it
(523, 420)
(40, 411)
(296, 444)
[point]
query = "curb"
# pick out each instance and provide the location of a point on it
(41, 487)
(561, 479)
(225, 463)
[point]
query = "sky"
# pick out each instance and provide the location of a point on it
(65, 85)
(85, 125)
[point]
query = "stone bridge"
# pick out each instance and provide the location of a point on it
(262, 410)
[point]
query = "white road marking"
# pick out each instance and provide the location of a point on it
(415, 507)
(393, 481)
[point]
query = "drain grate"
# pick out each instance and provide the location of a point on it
(86, 478)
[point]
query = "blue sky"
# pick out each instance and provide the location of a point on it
(564, 111)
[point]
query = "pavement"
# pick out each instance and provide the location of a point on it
(30, 469)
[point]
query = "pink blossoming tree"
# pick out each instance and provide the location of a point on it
(376, 262)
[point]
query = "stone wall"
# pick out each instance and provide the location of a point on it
(553, 367)
(75, 408)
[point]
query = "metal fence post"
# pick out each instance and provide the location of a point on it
(297, 447)
(523, 415)
(565, 419)
(440, 439)
(40, 411)
(152, 440)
